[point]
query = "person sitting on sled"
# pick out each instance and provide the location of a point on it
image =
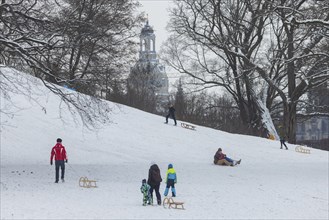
(145, 189)
(222, 159)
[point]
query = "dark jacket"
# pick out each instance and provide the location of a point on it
(282, 133)
(172, 110)
(219, 156)
(154, 175)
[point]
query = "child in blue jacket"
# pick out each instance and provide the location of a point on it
(171, 179)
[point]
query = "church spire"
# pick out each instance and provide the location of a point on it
(147, 43)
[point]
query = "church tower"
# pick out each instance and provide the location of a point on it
(148, 69)
(147, 44)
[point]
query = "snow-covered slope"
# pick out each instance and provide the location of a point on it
(269, 184)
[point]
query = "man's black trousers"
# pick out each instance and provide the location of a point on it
(59, 164)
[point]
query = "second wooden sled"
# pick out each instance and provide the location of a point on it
(301, 149)
(86, 183)
(170, 203)
(188, 126)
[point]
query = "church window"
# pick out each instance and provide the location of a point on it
(151, 44)
(144, 45)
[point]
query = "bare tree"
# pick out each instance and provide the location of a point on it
(25, 33)
(97, 41)
(180, 102)
(207, 36)
(73, 43)
(299, 31)
(256, 50)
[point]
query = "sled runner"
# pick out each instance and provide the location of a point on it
(300, 149)
(188, 126)
(170, 203)
(84, 182)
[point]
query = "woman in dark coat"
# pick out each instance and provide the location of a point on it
(154, 181)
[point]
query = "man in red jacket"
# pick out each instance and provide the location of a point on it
(59, 152)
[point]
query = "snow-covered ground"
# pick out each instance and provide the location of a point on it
(269, 183)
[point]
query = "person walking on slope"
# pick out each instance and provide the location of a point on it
(59, 152)
(222, 159)
(154, 181)
(171, 179)
(282, 137)
(171, 114)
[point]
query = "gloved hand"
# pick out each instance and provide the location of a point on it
(66, 161)
(51, 162)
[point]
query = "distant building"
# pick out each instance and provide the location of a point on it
(148, 69)
(313, 129)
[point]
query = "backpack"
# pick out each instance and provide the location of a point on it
(156, 176)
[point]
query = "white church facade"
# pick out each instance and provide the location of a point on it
(149, 64)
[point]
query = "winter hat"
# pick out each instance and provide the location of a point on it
(144, 181)
(59, 140)
(220, 149)
(170, 166)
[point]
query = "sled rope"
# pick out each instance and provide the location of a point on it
(74, 171)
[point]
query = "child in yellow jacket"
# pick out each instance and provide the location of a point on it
(171, 179)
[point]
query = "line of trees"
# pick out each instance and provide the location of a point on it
(266, 54)
(210, 110)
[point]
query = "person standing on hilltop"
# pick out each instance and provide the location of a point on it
(171, 114)
(59, 152)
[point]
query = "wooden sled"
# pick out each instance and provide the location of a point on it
(188, 126)
(84, 182)
(300, 149)
(170, 203)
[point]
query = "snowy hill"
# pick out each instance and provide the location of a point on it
(269, 183)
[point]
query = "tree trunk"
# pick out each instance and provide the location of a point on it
(290, 122)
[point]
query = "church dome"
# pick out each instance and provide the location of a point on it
(147, 29)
